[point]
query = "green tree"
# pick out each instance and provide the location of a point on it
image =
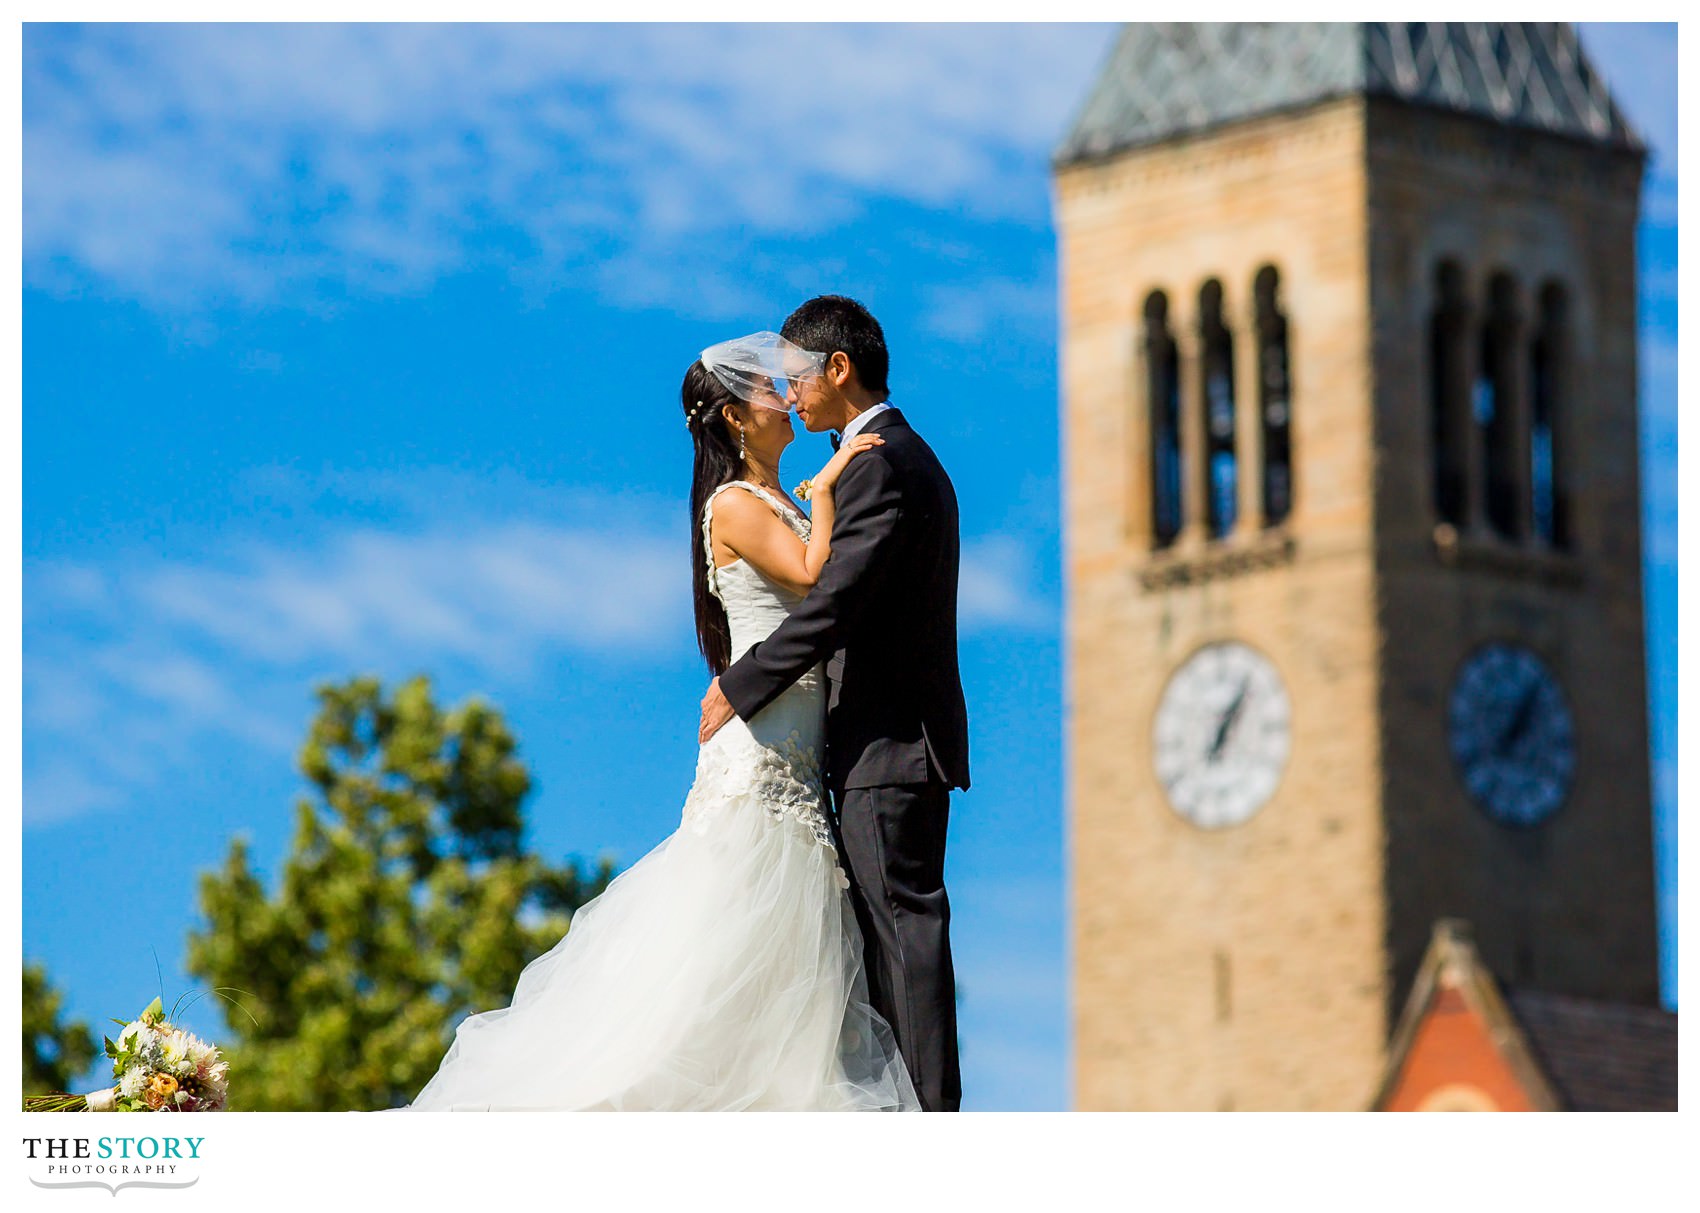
(55, 1053)
(406, 902)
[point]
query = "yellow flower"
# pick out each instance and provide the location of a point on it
(160, 1089)
(803, 490)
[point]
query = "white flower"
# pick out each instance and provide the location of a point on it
(133, 1081)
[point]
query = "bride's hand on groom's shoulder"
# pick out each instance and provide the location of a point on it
(835, 466)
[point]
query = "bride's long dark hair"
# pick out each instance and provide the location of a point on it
(714, 463)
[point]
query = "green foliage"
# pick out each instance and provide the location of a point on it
(406, 903)
(55, 1053)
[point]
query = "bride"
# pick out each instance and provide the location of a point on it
(723, 970)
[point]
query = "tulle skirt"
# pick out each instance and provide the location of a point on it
(722, 971)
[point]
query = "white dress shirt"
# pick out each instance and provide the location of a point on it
(862, 419)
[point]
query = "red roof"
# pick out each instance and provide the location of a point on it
(1463, 1046)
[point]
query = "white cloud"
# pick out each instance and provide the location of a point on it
(1638, 61)
(133, 668)
(188, 164)
(995, 586)
(65, 788)
(489, 596)
(1004, 310)
(193, 164)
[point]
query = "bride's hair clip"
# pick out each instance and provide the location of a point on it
(692, 415)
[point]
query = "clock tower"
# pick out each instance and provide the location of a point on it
(1352, 512)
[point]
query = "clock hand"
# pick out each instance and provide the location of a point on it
(1519, 722)
(1228, 718)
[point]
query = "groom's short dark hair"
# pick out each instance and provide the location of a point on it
(829, 323)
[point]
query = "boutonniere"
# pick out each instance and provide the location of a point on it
(803, 490)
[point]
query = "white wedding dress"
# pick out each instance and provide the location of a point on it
(721, 971)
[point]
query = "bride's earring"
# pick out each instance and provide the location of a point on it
(740, 442)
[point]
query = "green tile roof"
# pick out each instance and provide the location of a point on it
(1169, 78)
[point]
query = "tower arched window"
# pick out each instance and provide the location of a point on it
(1449, 416)
(1550, 507)
(1495, 408)
(1274, 406)
(1216, 349)
(1163, 408)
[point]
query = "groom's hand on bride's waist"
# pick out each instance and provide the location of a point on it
(716, 711)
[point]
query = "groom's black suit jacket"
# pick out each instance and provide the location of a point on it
(883, 616)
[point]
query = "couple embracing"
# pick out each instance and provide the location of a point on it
(780, 950)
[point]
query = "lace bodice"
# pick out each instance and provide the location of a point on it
(777, 755)
(754, 604)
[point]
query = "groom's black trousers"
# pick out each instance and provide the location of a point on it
(893, 845)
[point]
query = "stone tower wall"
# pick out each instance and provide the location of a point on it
(1241, 968)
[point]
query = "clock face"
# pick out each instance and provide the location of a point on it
(1221, 735)
(1511, 734)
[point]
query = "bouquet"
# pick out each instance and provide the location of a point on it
(158, 1068)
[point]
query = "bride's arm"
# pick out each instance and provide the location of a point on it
(750, 529)
(821, 491)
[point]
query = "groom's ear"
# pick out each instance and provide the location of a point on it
(840, 368)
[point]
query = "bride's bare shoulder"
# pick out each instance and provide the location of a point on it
(741, 513)
(736, 504)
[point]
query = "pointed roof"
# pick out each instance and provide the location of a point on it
(1175, 77)
(1454, 986)
(1527, 1048)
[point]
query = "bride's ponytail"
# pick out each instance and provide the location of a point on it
(715, 461)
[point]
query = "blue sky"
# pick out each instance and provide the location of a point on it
(357, 349)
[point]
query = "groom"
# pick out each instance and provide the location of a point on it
(883, 615)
